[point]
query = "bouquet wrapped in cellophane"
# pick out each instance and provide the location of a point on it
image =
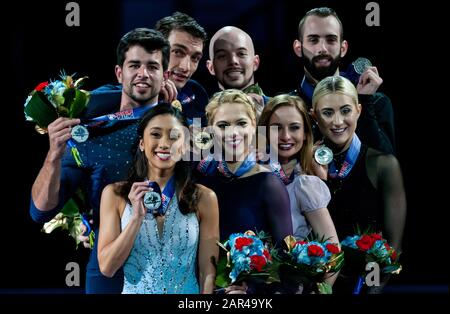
(307, 263)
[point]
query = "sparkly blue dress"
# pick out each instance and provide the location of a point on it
(165, 263)
(107, 157)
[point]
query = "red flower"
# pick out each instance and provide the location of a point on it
(41, 86)
(257, 262)
(300, 243)
(267, 255)
(394, 255)
(333, 248)
(376, 236)
(365, 242)
(241, 242)
(315, 250)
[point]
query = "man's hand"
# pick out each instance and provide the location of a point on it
(369, 82)
(59, 131)
(168, 91)
(85, 239)
(258, 101)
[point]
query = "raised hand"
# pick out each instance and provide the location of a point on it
(136, 197)
(59, 131)
(369, 82)
(168, 91)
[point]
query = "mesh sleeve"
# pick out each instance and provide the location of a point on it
(278, 210)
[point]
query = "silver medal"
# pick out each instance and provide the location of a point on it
(203, 140)
(152, 200)
(361, 64)
(323, 155)
(80, 133)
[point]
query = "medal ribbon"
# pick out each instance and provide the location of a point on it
(245, 166)
(124, 115)
(209, 165)
(349, 162)
(279, 172)
(107, 121)
(307, 88)
(166, 195)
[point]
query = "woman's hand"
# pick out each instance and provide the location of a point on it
(136, 196)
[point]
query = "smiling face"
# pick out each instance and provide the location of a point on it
(185, 54)
(232, 58)
(289, 139)
(163, 142)
(337, 115)
(234, 130)
(321, 46)
(141, 76)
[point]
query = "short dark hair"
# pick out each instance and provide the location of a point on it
(320, 12)
(149, 39)
(181, 22)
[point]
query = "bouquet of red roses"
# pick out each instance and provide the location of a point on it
(243, 256)
(307, 263)
(369, 249)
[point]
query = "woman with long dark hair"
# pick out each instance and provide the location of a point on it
(159, 225)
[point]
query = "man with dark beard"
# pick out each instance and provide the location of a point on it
(321, 47)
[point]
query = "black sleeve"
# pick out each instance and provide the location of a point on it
(376, 123)
(390, 186)
(277, 208)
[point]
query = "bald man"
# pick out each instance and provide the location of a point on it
(232, 60)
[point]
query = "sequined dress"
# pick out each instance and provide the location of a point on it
(167, 263)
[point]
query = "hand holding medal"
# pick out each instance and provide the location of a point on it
(137, 196)
(357, 68)
(60, 98)
(152, 199)
(157, 202)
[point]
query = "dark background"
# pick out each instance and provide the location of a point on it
(39, 45)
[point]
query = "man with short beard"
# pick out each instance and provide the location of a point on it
(321, 47)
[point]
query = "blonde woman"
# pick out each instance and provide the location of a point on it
(250, 197)
(366, 185)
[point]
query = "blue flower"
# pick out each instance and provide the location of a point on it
(350, 241)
